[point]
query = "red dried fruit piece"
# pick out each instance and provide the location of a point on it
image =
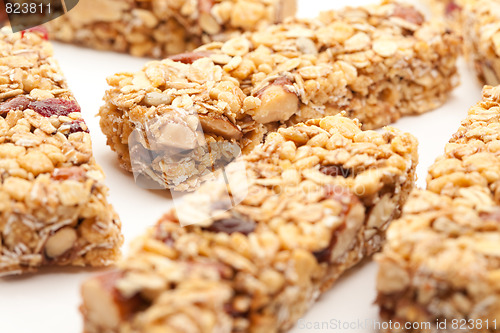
(409, 14)
(71, 173)
(77, 126)
(231, 225)
(47, 107)
(189, 57)
(492, 216)
(335, 170)
(452, 7)
(205, 6)
(54, 107)
(18, 103)
(41, 30)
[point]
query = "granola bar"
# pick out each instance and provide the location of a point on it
(481, 35)
(377, 63)
(442, 258)
(53, 207)
(476, 21)
(320, 196)
(158, 28)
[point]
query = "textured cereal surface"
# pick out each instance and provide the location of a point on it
(320, 197)
(477, 22)
(442, 258)
(27, 67)
(482, 38)
(53, 207)
(158, 28)
(377, 63)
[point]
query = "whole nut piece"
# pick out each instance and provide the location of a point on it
(71, 173)
(346, 237)
(101, 304)
(60, 242)
(343, 236)
(486, 73)
(278, 103)
(107, 306)
(156, 98)
(219, 125)
(381, 212)
(175, 135)
(209, 24)
(189, 57)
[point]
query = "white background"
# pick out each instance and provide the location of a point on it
(47, 302)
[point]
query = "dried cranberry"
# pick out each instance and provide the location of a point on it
(494, 215)
(54, 107)
(335, 170)
(189, 57)
(231, 225)
(71, 173)
(77, 126)
(409, 14)
(452, 7)
(41, 30)
(47, 107)
(18, 103)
